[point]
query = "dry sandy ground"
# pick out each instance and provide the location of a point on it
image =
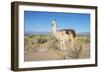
(40, 48)
(54, 54)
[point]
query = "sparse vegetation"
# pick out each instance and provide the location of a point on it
(45, 47)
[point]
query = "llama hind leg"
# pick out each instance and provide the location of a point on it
(72, 43)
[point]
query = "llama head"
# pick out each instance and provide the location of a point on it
(54, 22)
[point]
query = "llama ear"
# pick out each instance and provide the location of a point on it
(54, 20)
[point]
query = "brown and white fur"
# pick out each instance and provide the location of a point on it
(63, 35)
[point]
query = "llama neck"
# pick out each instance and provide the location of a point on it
(54, 29)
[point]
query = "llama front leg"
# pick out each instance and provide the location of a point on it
(61, 45)
(64, 45)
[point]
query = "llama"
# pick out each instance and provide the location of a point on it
(63, 35)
